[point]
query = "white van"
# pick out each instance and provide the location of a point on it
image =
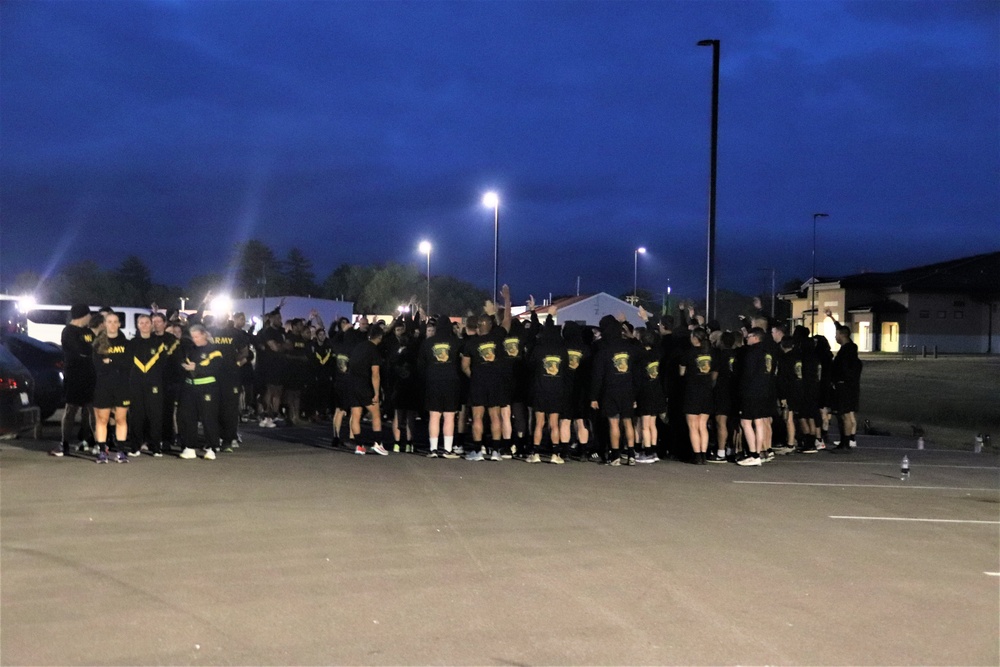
(46, 321)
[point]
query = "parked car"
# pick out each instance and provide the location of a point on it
(45, 363)
(18, 411)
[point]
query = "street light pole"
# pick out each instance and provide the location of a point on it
(812, 288)
(711, 307)
(425, 247)
(635, 274)
(492, 200)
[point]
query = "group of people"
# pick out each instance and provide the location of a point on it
(488, 387)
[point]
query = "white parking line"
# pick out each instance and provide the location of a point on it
(992, 574)
(901, 485)
(883, 463)
(906, 518)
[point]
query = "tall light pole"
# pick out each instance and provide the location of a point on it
(816, 216)
(492, 200)
(635, 274)
(710, 289)
(425, 247)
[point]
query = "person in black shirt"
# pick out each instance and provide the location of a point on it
(79, 376)
(234, 345)
(722, 399)
(199, 400)
(652, 401)
(323, 362)
(271, 366)
(613, 386)
(788, 382)
(341, 351)
(365, 385)
(172, 375)
(574, 417)
(296, 349)
(824, 397)
(548, 367)
(148, 356)
(755, 394)
(845, 372)
(437, 363)
(699, 371)
(482, 363)
(111, 392)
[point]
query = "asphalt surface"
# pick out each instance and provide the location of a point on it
(288, 552)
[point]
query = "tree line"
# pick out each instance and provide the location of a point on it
(256, 271)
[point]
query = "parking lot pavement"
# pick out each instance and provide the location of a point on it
(290, 552)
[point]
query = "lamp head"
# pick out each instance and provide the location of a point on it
(641, 250)
(491, 200)
(425, 247)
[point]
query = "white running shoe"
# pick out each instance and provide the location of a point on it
(749, 461)
(209, 455)
(533, 458)
(379, 449)
(187, 453)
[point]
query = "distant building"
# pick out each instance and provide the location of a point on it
(586, 309)
(952, 305)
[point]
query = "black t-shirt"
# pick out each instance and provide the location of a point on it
(438, 358)
(231, 342)
(486, 352)
(78, 347)
(363, 357)
(149, 359)
(699, 364)
(113, 361)
(549, 363)
(755, 370)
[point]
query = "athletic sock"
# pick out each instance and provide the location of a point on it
(755, 455)
(434, 444)
(448, 442)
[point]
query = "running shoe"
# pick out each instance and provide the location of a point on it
(122, 457)
(379, 449)
(768, 456)
(615, 462)
(409, 449)
(820, 445)
(449, 455)
(433, 454)
(395, 448)
(495, 455)
(209, 455)
(808, 450)
(187, 453)
(133, 454)
(630, 461)
(533, 458)
(749, 461)
(852, 443)
(360, 450)
(558, 460)
(595, 457)
(157, 455)
(57, 452)
(715, 458)
(475, 456)
(102, 457)
(643, 458)
(458, 450)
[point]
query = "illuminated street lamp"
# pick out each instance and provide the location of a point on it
(492, 200)
(635, 274)
(816, 216)
(425, 248)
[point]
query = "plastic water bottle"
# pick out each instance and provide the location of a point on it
(904, 469)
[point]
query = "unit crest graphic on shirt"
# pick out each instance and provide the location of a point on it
(653, 370)
(768, 365)
(798, 370)
(620, 361)
(574, 358)
(442, 352)
(551, 364)
(342, 361)
(488, 352)
(704, 364)
(512, 347)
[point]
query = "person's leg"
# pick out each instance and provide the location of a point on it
(694, 434)
(497, 422)
(354, 424)
(448, 427)
(749, 435)
(121, 430)
(558, 446)
(434, 428)
(68, 423)
(722, 436)
(375, 412)
(478, 412)
(614, 437)
(629, 429)
(338, 422)
(101, 418)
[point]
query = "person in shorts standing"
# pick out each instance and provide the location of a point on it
(79, 376)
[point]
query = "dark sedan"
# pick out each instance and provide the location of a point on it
(18, 411)
(45, 363)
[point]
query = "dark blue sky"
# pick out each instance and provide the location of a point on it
(353, 130)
